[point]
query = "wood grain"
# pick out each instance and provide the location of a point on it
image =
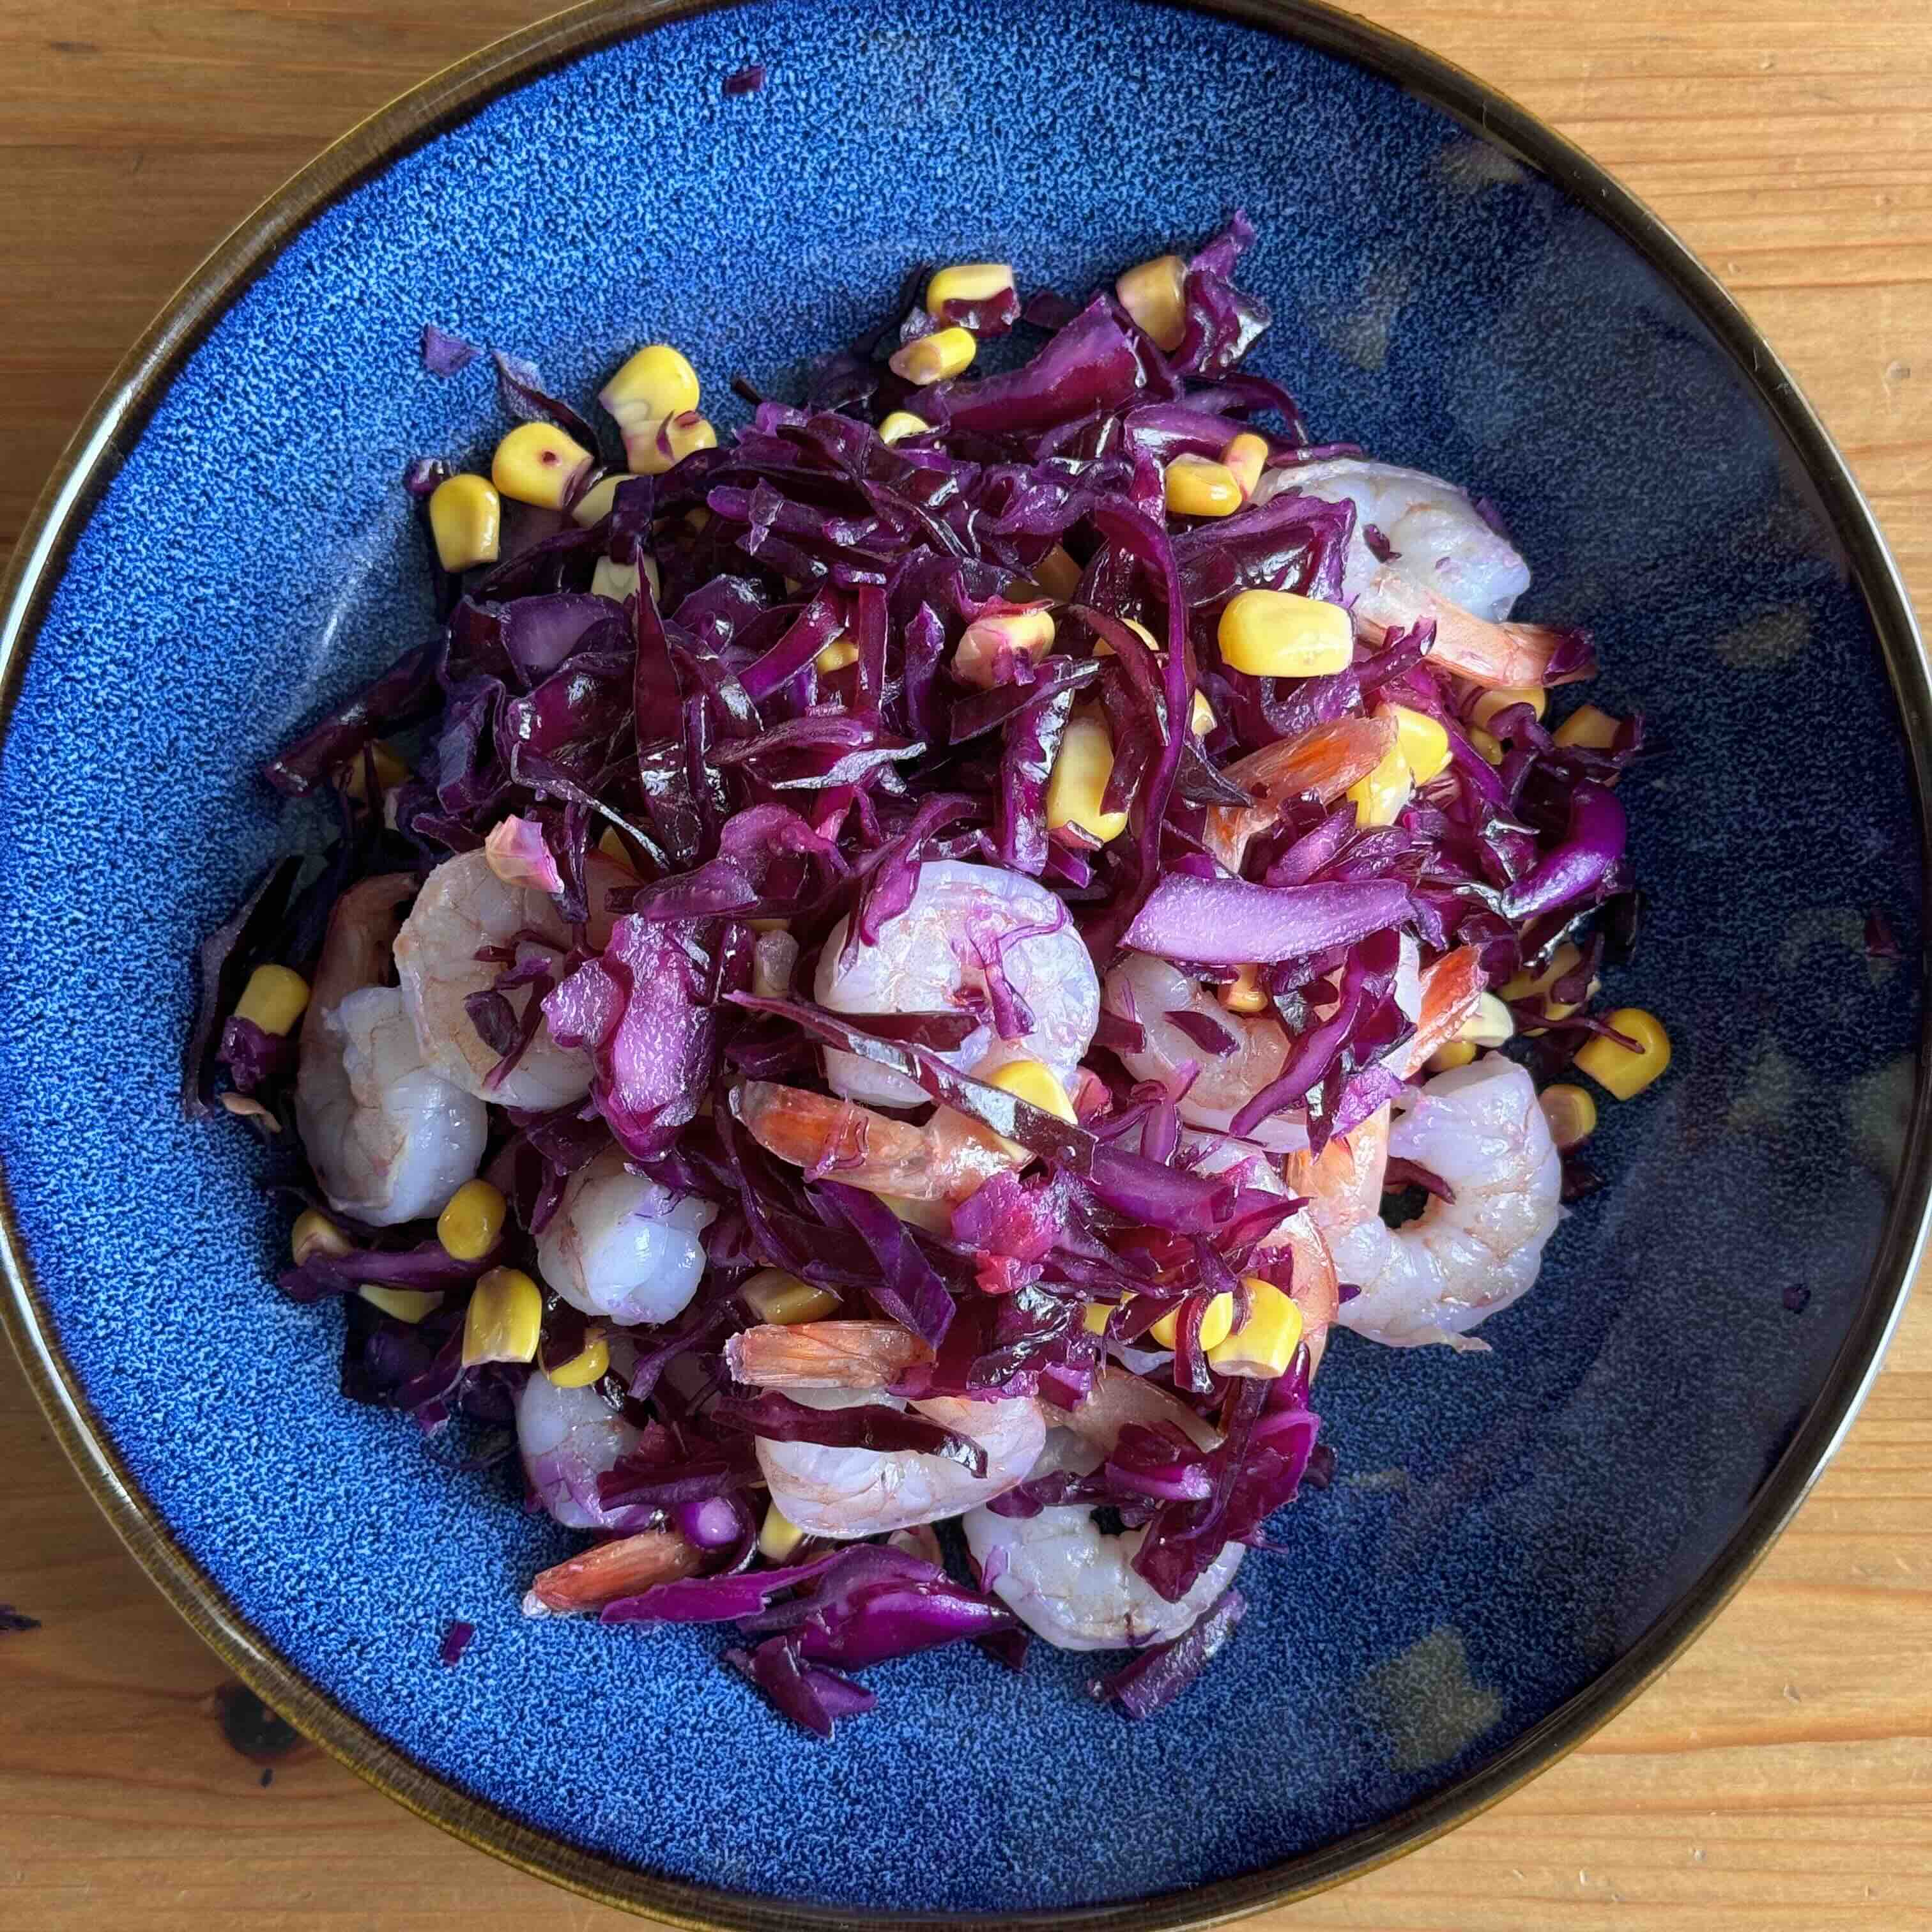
(1781, 1775)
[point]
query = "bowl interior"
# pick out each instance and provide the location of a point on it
(1503, 1526)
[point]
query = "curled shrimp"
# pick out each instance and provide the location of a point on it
(975, 939)
(946, 1160)
(1444, 562)
(623, 1245)
(852, 1492)
(1480, 1130)
(389, 1139)
(567, 1438)
(1322, 764)
(1068, 1580)
(1146, 989)
(1439, 998)
(464, 910)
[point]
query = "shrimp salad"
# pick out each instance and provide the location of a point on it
(867, 1005)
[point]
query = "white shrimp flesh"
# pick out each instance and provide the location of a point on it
(567, 1438)
(623, 1245)
(976, 939)
(854, 1492)
(1480, 1130)
(1442, 560)
(464, 909)
(390, 1140)
(1064, 1577)
(1146, 989)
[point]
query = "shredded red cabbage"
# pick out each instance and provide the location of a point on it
(727, 735)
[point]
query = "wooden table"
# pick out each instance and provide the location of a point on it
(1781, 1775)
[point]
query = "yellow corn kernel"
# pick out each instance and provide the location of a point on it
(935, 1217)
(1057, 573)
(315, 1234)
(1491, 1025)
(900, 424)
(620, 581)
(1155, 294)
(1276, 633)
(1034, 1081)
(465, 518)
(1489, 703)
(1197, 486)
(1536, 985)
(1094, 1317)
(471, 1223)
(505, 1319)
(390, 770)
(1244, 993)
(778, 1536)
(1485, 747)
(967, 282)
(597, 503)
(1593, 730)
(1623, 1073)
(932, 359)
(837, 655)
(273, 999)
(775, 1297)
(1217, 1322)
(1446, 1059)
(613, 848)
(1246, 456)
(977, 656)
(1378, 798)
(656, 382)
(536, 463)
(404, 1304)
(1421, 739)
(1571, 1113)
(667, 443)
(1104, 650)
(1202, 718)
(696, 520)
(1079, 781)
(591, 1363)
(1262, 1347)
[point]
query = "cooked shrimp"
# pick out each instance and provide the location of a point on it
(1451, 989)
(389, 1140)
(1146, 989)
(1480, 1130)
(1444, 562)
(1064, 1577)
(852, 1492)
(465, 909)
(823, 1355)
(567, 1438)
(1313, 1285)
(623, 1245)
(1322, 764)
(944, 1160)
(973, 938)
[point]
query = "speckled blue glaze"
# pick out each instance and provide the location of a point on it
(1504, 1524)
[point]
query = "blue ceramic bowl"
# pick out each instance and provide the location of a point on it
(1516, 1540)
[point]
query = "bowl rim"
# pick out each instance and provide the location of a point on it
(109, 432)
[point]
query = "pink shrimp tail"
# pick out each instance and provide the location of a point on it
(1452, 988)
(361, 934)
(1321, 763)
